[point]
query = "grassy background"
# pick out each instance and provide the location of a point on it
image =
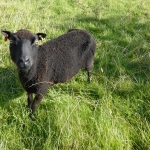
(113, 112)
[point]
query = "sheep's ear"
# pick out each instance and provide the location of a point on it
(41, 36)
(6, 34)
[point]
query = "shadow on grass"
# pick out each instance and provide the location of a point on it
(10, 87)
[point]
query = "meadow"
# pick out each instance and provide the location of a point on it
(110, 113)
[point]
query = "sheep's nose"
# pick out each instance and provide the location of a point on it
(24, 61)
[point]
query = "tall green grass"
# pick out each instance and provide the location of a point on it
(110, 113)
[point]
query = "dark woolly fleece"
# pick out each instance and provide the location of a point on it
(23, 34)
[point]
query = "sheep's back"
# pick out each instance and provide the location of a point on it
(64, 55)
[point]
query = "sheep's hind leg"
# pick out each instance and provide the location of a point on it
(89, 76)
(88, 68)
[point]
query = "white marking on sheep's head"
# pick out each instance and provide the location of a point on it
(23, 47)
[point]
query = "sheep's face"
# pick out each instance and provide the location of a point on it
(23, 48)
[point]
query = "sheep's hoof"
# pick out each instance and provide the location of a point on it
(88, 80)
(28, 107)
(32, 117)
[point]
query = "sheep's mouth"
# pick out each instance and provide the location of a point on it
(24, 68)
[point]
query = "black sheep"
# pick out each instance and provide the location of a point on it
(55, 61)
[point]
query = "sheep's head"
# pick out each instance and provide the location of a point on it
(23, 47)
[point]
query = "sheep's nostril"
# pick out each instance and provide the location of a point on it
(27, 60)
(24, 61)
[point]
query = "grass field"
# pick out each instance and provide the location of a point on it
(110, 113)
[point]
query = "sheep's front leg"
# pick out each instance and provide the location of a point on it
(30, 100)
(35, 103)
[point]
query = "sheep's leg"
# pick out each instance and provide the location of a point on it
(89, 76)
(88, 68)
(35, 103)
(30, 100)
